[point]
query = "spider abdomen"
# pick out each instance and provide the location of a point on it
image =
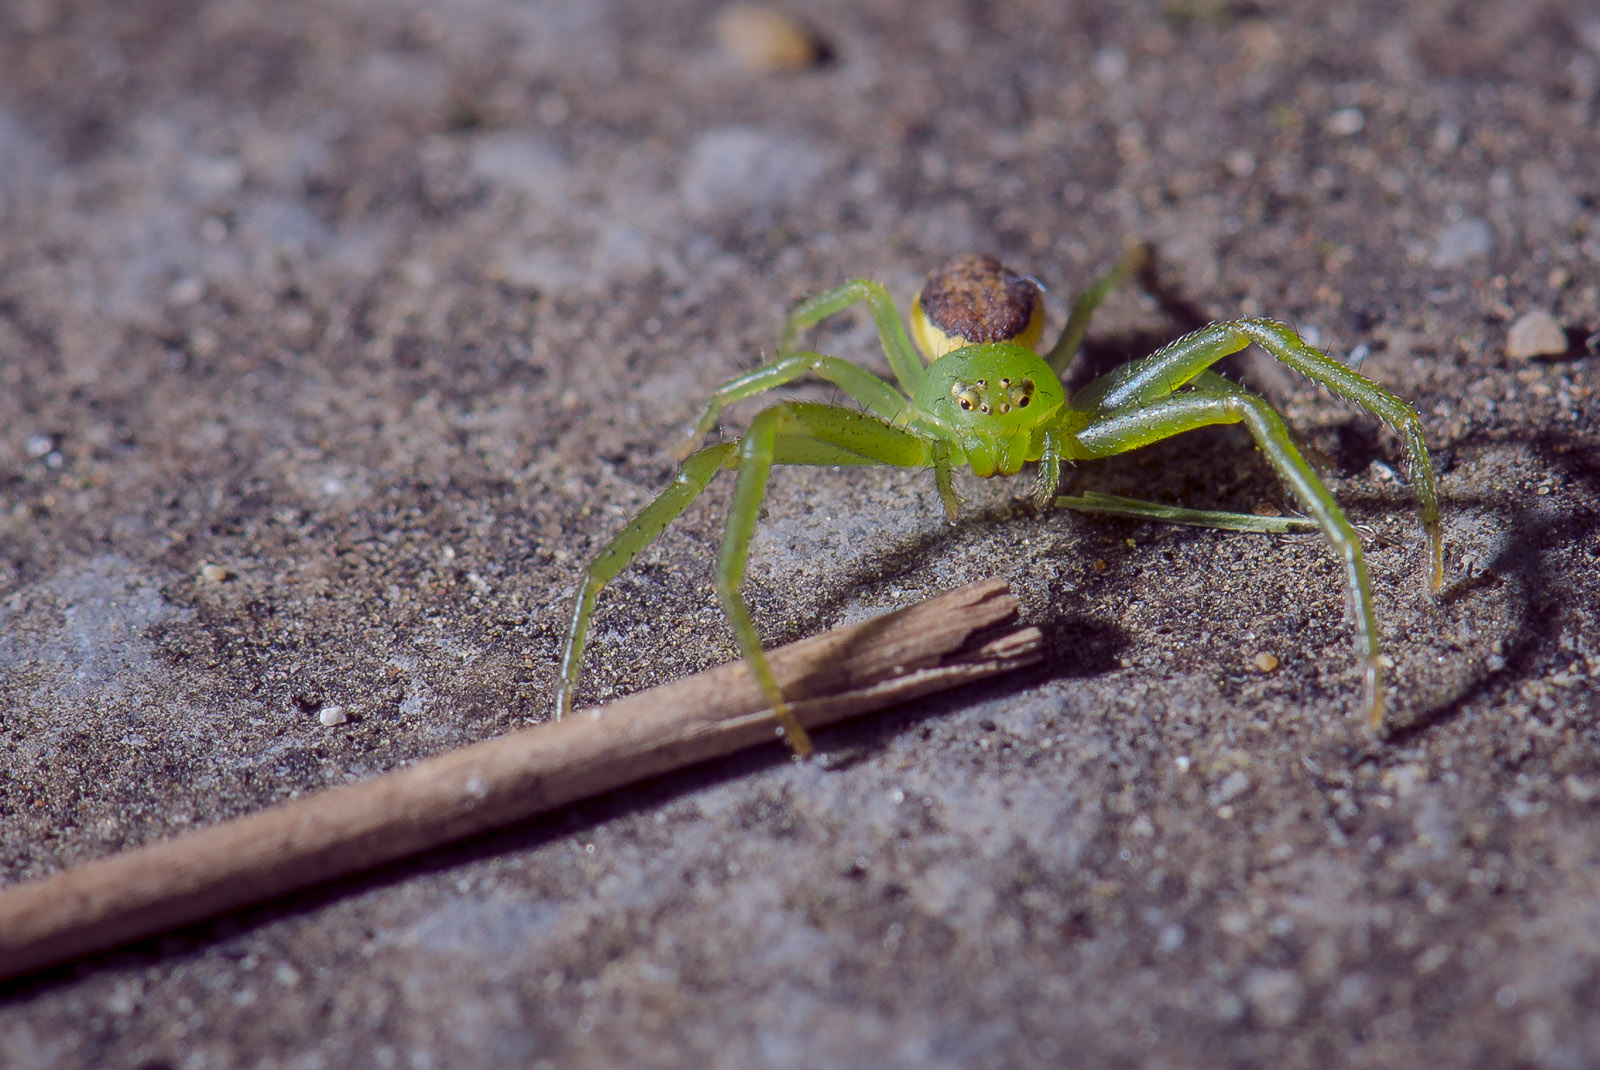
(974, 299)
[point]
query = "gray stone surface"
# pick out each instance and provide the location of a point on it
(388, 309)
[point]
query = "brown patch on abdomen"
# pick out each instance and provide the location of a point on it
(976, 298)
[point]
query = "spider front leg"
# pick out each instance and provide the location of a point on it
(903, 359)
(795, 433)
(692, 477)
(1121, 430)
(1185, 361)
(944, 480)
(877, 396)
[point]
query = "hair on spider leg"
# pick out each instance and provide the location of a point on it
(1353, 359)
(838, 398)
(1310, 334)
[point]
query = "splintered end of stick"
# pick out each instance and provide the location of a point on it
(943, 642)
(953, 639)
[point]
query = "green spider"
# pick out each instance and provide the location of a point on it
(987, 399)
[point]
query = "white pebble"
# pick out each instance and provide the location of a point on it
(1535, 334)
(1240, 163)
(1109, 66)
(1346, 121)
(332, 715)
(1233, 785)
(1580, 790)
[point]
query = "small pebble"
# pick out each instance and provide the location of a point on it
(1535, 334)
(1265, 662)
(1109, 66)
(1233, 785)
(332, 715)
(1346, 121)
(213, 573)
(766, 40)
(1581, 790)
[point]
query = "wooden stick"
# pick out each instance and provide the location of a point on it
(933, 645)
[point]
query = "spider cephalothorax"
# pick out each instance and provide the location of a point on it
(996, 399)
(982, 397)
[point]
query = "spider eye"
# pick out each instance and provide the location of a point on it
(966, 403)
(1022, 401)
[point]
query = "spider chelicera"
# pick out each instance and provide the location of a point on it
(986, 398)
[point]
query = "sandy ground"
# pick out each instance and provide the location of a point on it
(388, 310)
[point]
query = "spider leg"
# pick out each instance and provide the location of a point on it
(1130, 428)
(1049, 476)
(1083, 308)
(903, 358)
(944, 480)
(1138, 509)
(792, 433)
(1185, 362)
(879, 398)
(795, 433)
(693, 476)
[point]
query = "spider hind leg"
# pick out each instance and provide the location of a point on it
(1130, 428)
